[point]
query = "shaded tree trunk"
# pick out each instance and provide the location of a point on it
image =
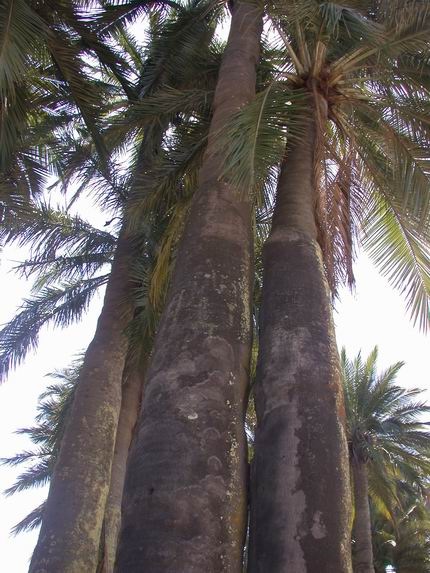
(362, 531)
(70, 534)
(301, 500)
(184, 506)
(130, 405)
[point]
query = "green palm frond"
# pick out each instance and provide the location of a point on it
(60, 305)
(62, 268)
(119, 14)
(166, 103)
(35, 476)
(257, 135)
(403, 544)
(13, 119)
(49, 231)
(30, 521)
(47, 55)
(53, 410)
(402, 254)
(180, 47)
(173, 176)
(21, 32)
(385, 428)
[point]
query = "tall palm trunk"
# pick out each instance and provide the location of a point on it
(130, 405)
(185, 494)
(301, 492)
(70, 533)
(362, 532)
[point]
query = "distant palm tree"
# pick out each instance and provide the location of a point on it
(402, 542)
(52, 413)
(388, 440)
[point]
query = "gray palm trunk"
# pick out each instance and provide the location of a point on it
(130, 405)
(362, 531)
(91, 453)
(70, 533)
(300, 496)
(184, 503)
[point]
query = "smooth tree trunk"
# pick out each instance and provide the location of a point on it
(130, 405)
(301, 501)
(70, 534)
(184, 508)
(362, 531)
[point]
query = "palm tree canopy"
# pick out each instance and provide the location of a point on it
(405, 543)
(385, 426)
(67, 254)
(361, 70)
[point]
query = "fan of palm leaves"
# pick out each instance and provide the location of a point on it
(361, 68)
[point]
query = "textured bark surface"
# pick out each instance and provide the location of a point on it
(70, 533)
(184, 508)
(130, 406)
(362, 532)
(300, 502)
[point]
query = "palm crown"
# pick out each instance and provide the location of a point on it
(361, 67)
(385, 425)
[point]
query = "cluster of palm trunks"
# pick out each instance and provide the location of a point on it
(174, 456)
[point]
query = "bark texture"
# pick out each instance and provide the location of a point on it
(300, 502)
(70, 534)
(362, 532)
(184, 506)
(130, 405)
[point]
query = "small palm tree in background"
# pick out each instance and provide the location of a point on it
(388, 442)
(46, 434)
(403, 542)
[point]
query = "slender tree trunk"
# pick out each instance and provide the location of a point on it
(301, 501)
(184, 506)
(130, 405)
(70, 533)
(362, 532)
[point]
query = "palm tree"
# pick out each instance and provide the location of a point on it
(411, 546)
(404, 543)
(68, 249)
(186, 471)
(387, 440)
(345, 104)
(46, 434)
(153, 76)
(51, 421)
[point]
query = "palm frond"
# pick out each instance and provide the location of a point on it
(30, 521)
(385, 429)
(53, 410)
(59, 305)
(21, 32)
(256, 137)
(401, 252)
